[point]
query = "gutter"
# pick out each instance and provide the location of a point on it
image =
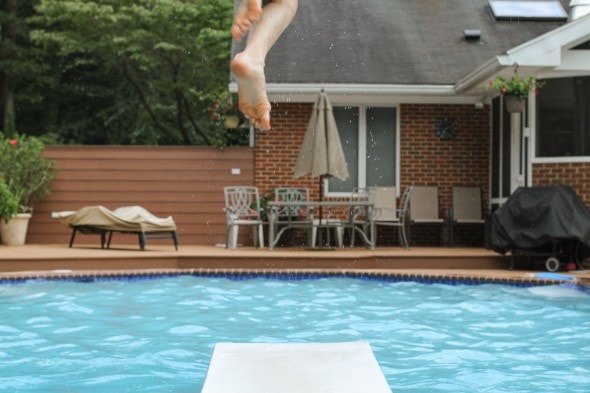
(343, 93)
(476, 78)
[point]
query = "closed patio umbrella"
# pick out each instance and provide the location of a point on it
(321, 153)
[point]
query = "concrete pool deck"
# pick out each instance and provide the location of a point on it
(454, 263)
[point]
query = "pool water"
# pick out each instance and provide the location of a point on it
(158, 335)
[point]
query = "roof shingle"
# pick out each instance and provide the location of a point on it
(392, 41)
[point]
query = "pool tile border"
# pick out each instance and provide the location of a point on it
(285, 274)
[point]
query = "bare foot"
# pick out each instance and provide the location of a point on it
(248, 12)
(253, 101)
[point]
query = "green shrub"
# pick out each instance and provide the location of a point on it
(24, 169)
(8, 203)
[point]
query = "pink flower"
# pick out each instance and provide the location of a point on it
(13, 142)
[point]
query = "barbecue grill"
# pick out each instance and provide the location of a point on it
(542, 222)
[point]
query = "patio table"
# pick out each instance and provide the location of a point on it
(321, 222)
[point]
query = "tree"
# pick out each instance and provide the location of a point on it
(23, 68)
(8, 52)
(137, 71)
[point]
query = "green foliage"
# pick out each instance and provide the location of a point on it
(134, 71)
(266, 197)
(8, 202)
(515, 85)
(23, 67)
(24, 169)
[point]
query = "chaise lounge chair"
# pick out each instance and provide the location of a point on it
(129, 219)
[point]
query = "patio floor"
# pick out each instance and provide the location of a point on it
(30, 261)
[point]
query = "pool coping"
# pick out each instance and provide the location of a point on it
(451, 277)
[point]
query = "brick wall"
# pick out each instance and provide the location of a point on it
(183, 182)
(462, 161)
(573, 174)
(277, 150)
(425, 160)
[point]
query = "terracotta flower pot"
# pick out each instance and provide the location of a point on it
(14, 232)
(514, 104)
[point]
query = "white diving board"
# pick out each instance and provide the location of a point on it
(348, 367)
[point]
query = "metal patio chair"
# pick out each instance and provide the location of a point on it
(385, 211)
(292, 216)
(242, 208)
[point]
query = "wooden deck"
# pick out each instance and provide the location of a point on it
(457, 262)
(51, 257)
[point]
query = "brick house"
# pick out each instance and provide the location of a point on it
(396, 70)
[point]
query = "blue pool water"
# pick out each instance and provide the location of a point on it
(158, 335)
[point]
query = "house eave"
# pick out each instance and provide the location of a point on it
(364, 93)
(542, 56)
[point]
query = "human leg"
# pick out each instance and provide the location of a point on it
(248, 66)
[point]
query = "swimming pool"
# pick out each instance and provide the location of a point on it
(158, 335)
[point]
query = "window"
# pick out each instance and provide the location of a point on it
(563, 118)
(369, 140)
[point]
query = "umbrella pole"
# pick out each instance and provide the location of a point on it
(321, 245)
(320, 237)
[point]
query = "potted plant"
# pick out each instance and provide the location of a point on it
(27, 175)
(8, 210)
(515, 90)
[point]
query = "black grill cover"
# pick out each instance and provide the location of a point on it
(536, 216)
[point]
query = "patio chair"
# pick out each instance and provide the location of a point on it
(242, 208)
(293, 216)
(330, 223)
(466, 210)
(356, 216)
(423, 209)
(385, 211)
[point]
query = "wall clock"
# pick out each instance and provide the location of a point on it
(446, 128)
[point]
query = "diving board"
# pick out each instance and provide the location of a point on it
(348, 367)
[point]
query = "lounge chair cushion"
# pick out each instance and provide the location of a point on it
(123, 219)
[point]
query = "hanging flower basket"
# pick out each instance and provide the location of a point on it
(515, 90)
(514, 104)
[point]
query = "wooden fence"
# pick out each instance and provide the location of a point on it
(183, 182)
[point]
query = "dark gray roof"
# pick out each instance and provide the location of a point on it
(392, 41)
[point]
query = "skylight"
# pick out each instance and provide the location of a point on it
(525, 9)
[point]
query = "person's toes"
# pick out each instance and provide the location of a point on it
(264, 122)
(247, 110)
(238, 30)
(263, 115)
